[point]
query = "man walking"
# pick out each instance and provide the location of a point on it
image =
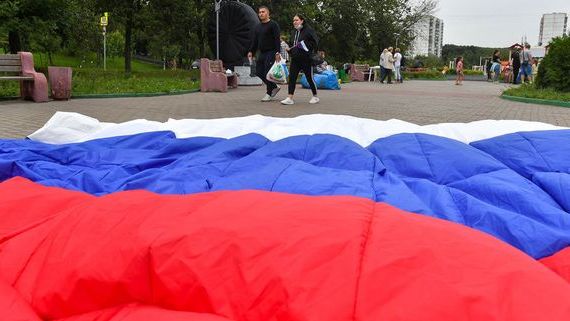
(266, 39)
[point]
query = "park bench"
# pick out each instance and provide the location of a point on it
(359, 72)
(20, 67)
(214, 78)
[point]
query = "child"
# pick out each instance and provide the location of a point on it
(284, 49)
(534, 70)
(459, 71)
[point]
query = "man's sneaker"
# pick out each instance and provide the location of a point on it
(314, 100)
(287, 101)
(266, 98)
(275, 91)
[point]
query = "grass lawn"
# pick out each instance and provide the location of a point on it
(88, 78)
(529, 91)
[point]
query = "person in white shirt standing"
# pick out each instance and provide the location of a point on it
(382, 64)
(397, 65)
(388, 65)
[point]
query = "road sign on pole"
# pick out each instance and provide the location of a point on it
(104, 21)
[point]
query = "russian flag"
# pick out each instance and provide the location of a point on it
(319, 217)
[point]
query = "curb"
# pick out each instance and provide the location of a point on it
(6, 98)
(538, 101)
(126, 95)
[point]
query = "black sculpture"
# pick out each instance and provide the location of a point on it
(237, 22)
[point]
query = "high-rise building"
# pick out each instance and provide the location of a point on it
(552, 25)
(428, 37)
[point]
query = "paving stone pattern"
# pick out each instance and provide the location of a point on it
(420, 102)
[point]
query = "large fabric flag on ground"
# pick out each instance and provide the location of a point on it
(510, 186)
(506, 179)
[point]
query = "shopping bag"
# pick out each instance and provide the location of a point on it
(278, 73)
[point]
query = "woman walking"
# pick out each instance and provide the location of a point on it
(304, 43)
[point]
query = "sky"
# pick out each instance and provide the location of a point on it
(495, 23)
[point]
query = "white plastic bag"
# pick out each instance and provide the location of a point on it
(278, 73)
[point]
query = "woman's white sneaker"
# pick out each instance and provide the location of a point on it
(287, 101)
(314, 100)
(266, 98)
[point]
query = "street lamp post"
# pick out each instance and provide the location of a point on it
(397, 37)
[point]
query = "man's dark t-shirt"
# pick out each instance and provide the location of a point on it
(266, 38)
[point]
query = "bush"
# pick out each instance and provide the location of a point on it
(432, 74)
(554, 71)
(530, 91)
(429, 61)
(466, 72)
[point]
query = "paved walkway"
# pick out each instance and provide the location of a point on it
(420, 102)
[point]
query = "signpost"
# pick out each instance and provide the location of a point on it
(217, 9)
(104, 21)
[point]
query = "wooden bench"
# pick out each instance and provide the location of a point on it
(359, 72)
(20, 67)
(214, 78)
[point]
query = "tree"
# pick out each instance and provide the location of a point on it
(126, 13)
(83, 34)
(169, 26)
(32, 24)
(555, 67)
(472, 55)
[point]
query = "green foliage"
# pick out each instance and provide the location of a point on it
(83, 36)
(554, 71)
(115, 44)
(466, 72)
(115, 82)
(430, 74)
(350, 30)
(430, 61)
(531, 91)
(33, 25)
(472, 55)
(9, 89)
(353, 30)
(88, 78)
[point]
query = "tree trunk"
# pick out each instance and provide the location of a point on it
(128, 41)
(14, 43)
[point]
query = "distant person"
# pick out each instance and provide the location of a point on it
(402, 67)
(382, 64)
(516, 63)
(534, 70)
(496, 67)
(488, 69)
(284, 47)
(526, 61)
(305, 42)
(324, 65)
(266, 40)
(459, 71)
(388, 65)
(398, 65)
